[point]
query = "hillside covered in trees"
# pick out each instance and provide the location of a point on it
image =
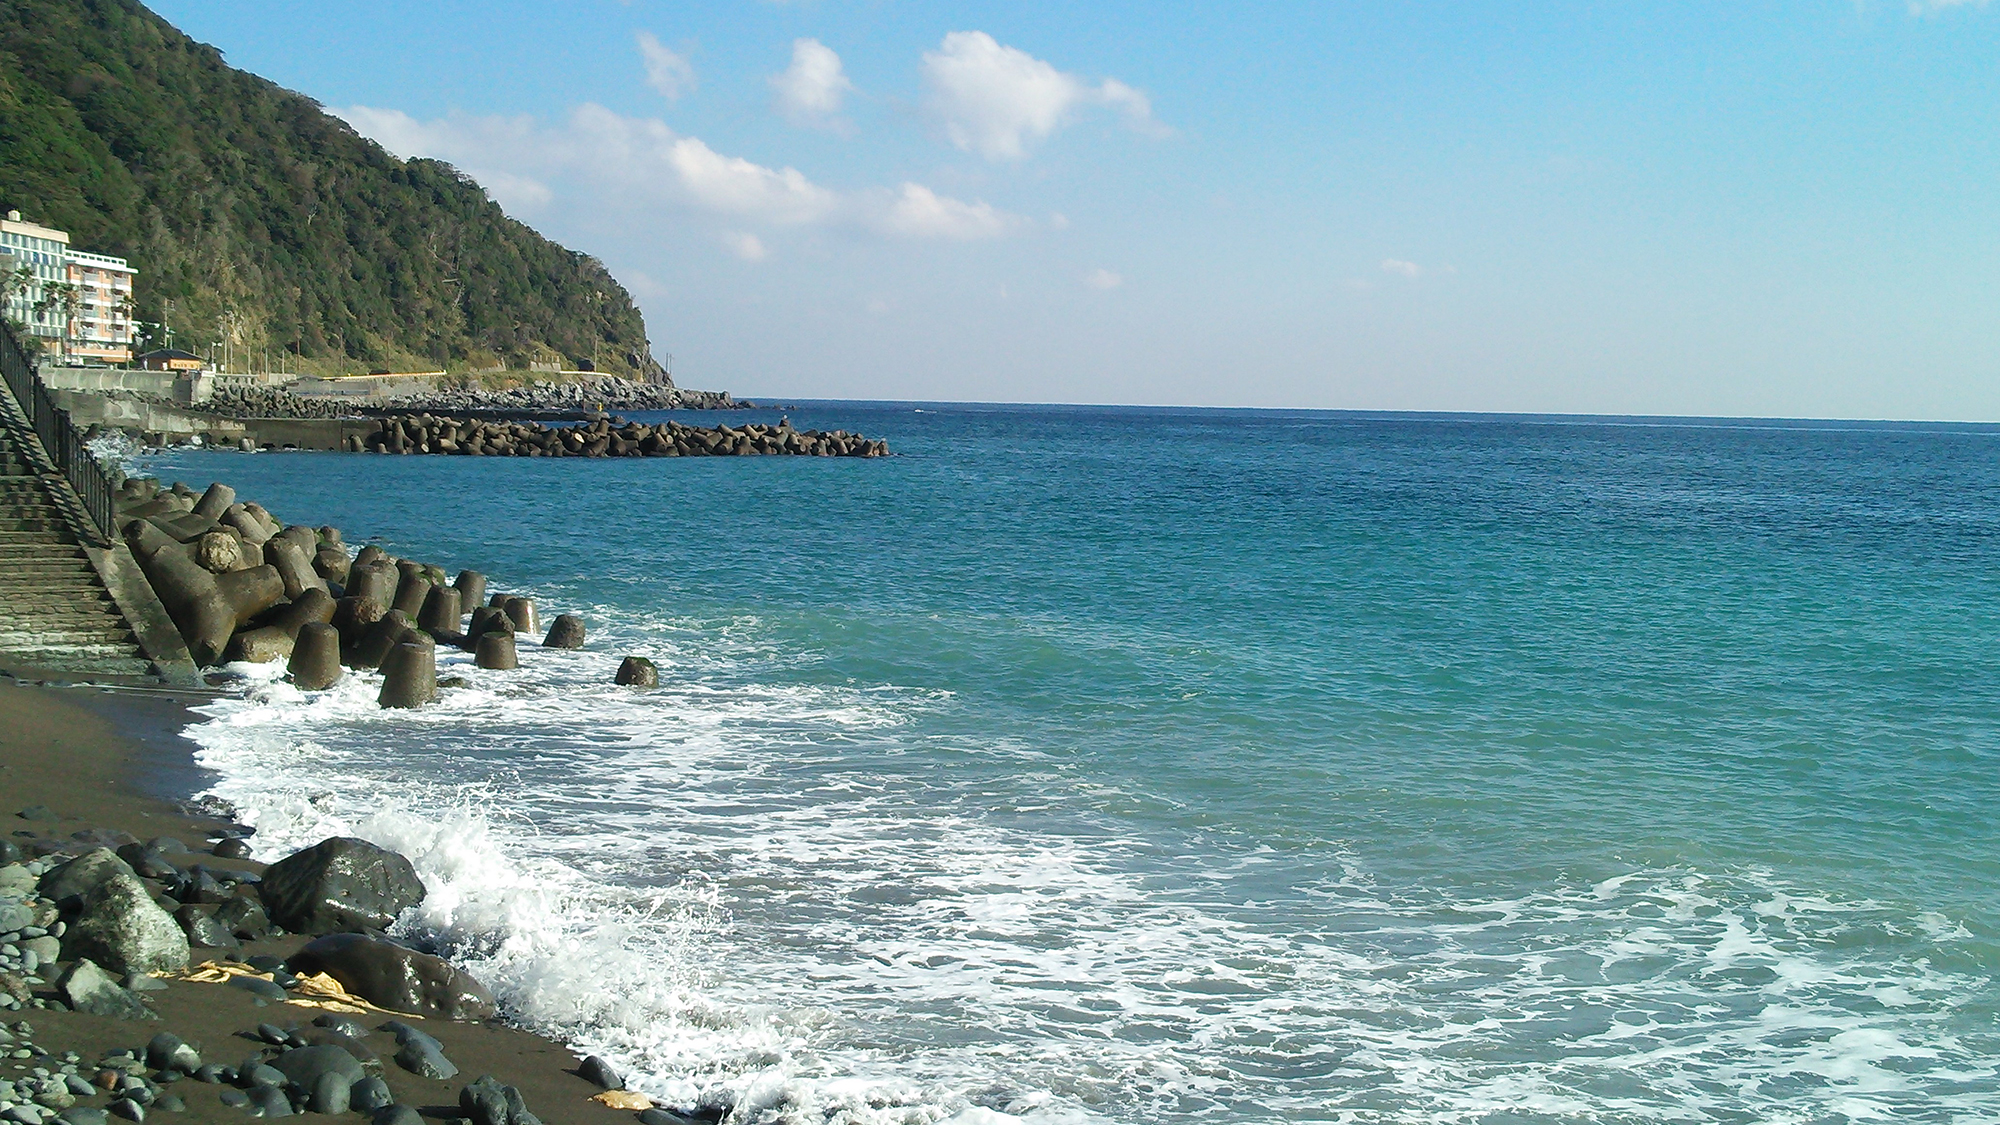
(255, 216)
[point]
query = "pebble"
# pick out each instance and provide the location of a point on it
(329, 1093)
(258, 987)
(599, 1073)
(425, 1061)
(263, 1074)
(369, 1095)
(270, 1101)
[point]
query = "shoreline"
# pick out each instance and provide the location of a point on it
(112, 765)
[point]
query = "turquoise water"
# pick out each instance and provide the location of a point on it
(1149, 765)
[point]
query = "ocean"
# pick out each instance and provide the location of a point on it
(1150, 765)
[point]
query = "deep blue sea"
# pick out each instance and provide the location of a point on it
(1121, 765)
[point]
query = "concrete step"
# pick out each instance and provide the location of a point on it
(75, 575)
(115, 660)
(11, 640)
(41, 554)
(45, 567)
(17, 621)
(31, 606)
(94, 625)
(75, 581)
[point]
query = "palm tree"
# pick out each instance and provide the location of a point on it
(61, 295)
(17, 280)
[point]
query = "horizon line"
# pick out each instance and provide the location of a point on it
(770, 403)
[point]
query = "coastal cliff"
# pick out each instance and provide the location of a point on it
(255, 216)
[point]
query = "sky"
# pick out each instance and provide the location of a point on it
(1764, 209)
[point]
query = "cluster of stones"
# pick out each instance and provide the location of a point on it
(103, 916)
(49, 1087)
(426, 433)
(239, 585)
(605, 392)
(96, 906)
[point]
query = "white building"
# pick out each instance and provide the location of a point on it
(43, 250)
(102, 328)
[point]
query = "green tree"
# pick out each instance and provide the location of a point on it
(233, 195)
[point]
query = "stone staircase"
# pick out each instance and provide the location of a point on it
(55, 613)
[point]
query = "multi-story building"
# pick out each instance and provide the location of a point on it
(42, 251)
(103, 328)
(98, 324)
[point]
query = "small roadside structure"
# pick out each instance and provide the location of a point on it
(171, 359)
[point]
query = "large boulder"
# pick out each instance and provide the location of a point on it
(394, 977)
(66, 885)
(119, 926)
(90, 990)
(340, 884)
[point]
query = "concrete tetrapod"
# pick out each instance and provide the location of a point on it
(409, 676)
(637, 671)
(440, 613)
(315, 664)
(352, 616)
(294, 566)
(496, 651)
(389, 631)
(487, 619)
(372, 580)
(273, 641)
(565, 632)
(215, 501)
(332, 564)
(471, 586)
(522, 610)
(411, 592)
(251, 592)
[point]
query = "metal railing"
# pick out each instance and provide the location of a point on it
(61, 438)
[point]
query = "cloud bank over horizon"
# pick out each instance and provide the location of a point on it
(1702, 210)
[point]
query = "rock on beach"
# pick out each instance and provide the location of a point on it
(395, 977)
(340, 884)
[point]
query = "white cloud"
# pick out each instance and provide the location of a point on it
(996, 100)
(919, 212)
(737, 186)
(1401, 268)
(1103, 279)
(669, 73)
(810, 91)
(746, 246)
(603, 161)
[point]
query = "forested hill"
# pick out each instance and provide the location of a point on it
(252, 214)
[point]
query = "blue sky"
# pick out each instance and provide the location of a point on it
(1777, 209)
